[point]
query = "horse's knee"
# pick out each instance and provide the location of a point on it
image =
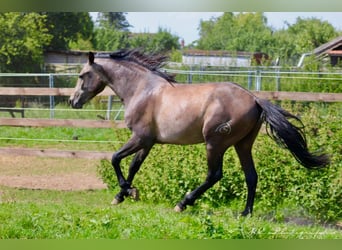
(115, 159)
(215, 176)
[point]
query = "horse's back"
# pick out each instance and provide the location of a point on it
(184, 113)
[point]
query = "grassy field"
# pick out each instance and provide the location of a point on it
(291, 202)
(41, 214)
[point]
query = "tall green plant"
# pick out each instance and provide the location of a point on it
(171, 171)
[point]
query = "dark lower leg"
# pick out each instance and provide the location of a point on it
(126, 188)
(189, 199)
(124, 185)
(251, 180)
(136, 163)
(244, 151)
(214, 175)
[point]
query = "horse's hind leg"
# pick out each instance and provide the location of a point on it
(215, 160)
(131, 147)
(251, 176)
(244, 150)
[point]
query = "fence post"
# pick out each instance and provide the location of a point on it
(278, 88)
(189, 80)
(52, 98)
(109, 107)
(258, 80)
(249, 80)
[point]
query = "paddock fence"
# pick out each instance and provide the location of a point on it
(105, 123)
(41, 101)
(45, 95)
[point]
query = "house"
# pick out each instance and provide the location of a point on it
(55, 60)
(70, 61)
(331, 50)
(222, 58)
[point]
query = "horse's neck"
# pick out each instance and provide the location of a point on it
(127, 83)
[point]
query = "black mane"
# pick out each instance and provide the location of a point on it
(149, 61)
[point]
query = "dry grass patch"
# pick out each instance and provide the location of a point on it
(49, 173)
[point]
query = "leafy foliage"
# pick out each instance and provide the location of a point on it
(310, 33)
(22, 37)
(66, 27)
(109, 39)
(112, 34)
(25, 35)
(303, 36)
(171, 171)
(241, 32)
(116, 20)
(250, 32)
(161, 42)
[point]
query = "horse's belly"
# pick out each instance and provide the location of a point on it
(174, 133)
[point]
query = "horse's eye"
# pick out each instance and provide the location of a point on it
(80, 76)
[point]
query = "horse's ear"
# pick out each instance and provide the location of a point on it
(91, 58)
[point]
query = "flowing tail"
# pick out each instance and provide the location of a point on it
(289, 135)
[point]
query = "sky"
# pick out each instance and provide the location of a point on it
(185, 24)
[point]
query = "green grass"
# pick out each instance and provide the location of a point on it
(291, 202)
(94, 110)
(39, 214)
(63, 138)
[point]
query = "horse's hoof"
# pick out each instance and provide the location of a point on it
(178, 209)
(246, 213)
(134, 193)
(115, 202)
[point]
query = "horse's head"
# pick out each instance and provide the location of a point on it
(92, 80)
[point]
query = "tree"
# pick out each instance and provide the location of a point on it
(302, 37)
(68, 27)
(236, 32)
(283, 47)
(160, 42)
(116, 20)
(250, 32)
(215, 32)
(111, 33)
(109, 39)
(310, 33)
(22, 38)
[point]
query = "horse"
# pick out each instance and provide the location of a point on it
(160, 110)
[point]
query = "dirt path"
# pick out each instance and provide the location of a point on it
(49, 173)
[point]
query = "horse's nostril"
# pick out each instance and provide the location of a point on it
(76, 105)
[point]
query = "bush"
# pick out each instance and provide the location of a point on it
(171, 171)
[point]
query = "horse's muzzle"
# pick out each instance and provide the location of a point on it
(74, 105)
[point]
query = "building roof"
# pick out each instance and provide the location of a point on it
(329, 46)
(220, 53)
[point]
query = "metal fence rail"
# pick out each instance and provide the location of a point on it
(54, 88)
(258, 75)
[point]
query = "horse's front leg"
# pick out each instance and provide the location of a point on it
(134, 145)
